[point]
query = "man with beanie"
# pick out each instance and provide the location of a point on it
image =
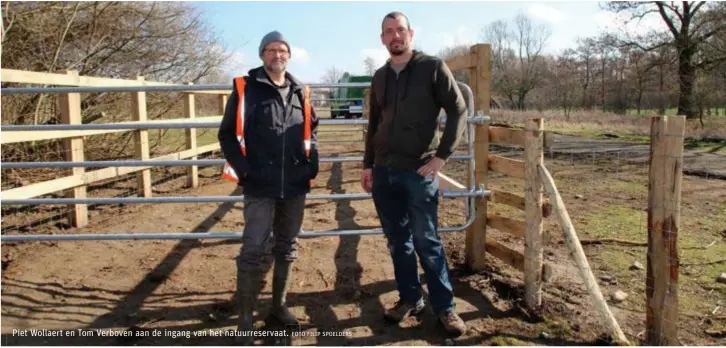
(403, 157)
(268, 136)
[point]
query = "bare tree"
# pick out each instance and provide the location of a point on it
(606, 52)
(586, 56)
(162, 41)
(370, 66)
(332, 75)
(455, 51)
(517, 64)
(639, 70)
(563, 82)
(691, 25)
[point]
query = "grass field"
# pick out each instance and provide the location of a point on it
(601, 125)
(673, 111)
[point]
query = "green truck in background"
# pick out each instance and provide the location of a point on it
(349, 101)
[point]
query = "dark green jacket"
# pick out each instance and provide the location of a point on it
(404, 109)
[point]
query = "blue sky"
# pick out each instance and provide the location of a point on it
(342, 34)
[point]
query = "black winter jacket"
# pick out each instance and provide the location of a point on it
(275, 164)
(404, 111)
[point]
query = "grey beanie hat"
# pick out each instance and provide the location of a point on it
(272, 37)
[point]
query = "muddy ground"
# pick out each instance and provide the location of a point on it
(341, 284)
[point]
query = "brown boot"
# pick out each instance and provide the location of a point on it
(280, 285)
(452, 323)
(403, 310)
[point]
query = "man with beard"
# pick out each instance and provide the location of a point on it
(268, 136)
(403, 157)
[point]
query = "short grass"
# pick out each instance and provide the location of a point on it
(605, 125)
(556, 327)
(508, 341)
(615, 207)
(672, 111)
(601, 125)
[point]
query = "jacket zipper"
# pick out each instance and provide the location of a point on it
(284, 137)
(395, 112)
(282, 183)
(286, 113)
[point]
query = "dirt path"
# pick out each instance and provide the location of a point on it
(340, 284)
(695, 162)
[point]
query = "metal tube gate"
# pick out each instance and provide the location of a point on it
(471, 193)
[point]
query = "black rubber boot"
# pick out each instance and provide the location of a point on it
(248, 287)
(280, 285)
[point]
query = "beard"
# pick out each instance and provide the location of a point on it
(397, 48)
(275, 67)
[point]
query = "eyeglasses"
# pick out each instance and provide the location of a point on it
(276, 52)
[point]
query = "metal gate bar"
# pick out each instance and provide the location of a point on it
(215, 199)
(206, 235)
(177, 125)
(166, 88)
(471, 194)
(167, 163)
(222, 235)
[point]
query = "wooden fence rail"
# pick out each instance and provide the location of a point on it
(478, 64)
(73, 141)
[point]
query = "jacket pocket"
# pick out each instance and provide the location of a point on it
(303, 169)
(410, 140)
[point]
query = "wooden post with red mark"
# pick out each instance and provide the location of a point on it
(664, 199)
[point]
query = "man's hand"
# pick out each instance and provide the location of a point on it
(432, 167)
(366, 179)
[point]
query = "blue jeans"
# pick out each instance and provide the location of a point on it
(407, 205)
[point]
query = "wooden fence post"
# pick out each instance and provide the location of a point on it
(533, 256)
(191, 139)
(664, 199)
(141, 140)
(479, 84)
(222, 104)
(70, 110)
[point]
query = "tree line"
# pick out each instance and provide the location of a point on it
(681, 65)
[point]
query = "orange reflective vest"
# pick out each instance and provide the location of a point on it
(240, 84)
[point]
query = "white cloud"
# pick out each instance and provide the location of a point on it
(299, 54)
(235, 63)
(546, 13)
(380, 55)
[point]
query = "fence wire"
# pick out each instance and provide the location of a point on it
(606, 192)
